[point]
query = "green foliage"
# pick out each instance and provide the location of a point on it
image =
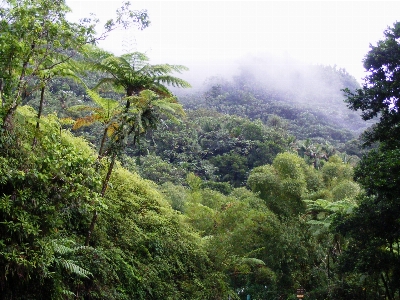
(216, 147)
(147, 100)
(159, 171)
(141, 247)
(346, 189)
(231, 168)
(378, 96)
(133, 73)
(36, 38)
(190, 230)
(373, 228)
(283, 183)
(37, 42)
(335, 171)
(304, 108)
(373, 225)
(46, 194)
(167, 258)
(176, 195)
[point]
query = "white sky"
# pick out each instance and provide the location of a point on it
(207, 36)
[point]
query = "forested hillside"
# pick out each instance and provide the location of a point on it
(119, 181)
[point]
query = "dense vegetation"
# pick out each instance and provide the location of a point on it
(111, 188)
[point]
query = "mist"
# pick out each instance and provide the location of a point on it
(209, 37)
(302, 53)
(282, 80)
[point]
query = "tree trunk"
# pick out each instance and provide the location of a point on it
(107, 179)
(103, 192)
(388, 294)
(39, 115)
(1, 92)
(7, 120)
(103, 140)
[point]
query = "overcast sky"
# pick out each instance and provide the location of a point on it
(209, 36)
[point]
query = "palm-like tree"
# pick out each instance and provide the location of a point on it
(145, 112)
(147, 99)
(106, 112)
(132, 73)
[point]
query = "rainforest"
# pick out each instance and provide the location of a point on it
(120, 181)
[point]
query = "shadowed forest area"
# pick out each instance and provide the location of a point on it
(118, 180)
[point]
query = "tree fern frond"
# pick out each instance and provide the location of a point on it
(252, 261)
(61, 249)
(167, 68)
(105, 103)
(68, 293)
(59, 246)
(174, 81)
(80, 107)
(166, 106)
(94, 53)
(106, 80)
(84, 121)
(72, 267)
(112, 129)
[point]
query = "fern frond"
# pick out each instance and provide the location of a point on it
(61, 249)
(95, 53)
(105, 81)
(112, 129)
(68, 293)
(252, 261)
(105, 103)
(85, 121)
(72, 267)
(80, 107)
(174, 81)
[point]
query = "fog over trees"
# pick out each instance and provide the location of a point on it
(121, 180)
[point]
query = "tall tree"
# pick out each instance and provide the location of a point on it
(145, 113)
(380, 93)
(36, 37)
(374, 226)
(105, 113)
(142, 84)
(133, 73)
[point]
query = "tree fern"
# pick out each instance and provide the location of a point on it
(145, 82)
(133, 72)
(252, 261)
(325, 210)
(61, 251)
(72, 267)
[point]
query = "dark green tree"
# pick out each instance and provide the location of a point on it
(374, 226)
(380, 93)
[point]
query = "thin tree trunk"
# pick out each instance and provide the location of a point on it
(7, 120)
(107, 179)
(103, 192)
(103, 140)
(39, 115)
(1, 92)
(386, 287)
